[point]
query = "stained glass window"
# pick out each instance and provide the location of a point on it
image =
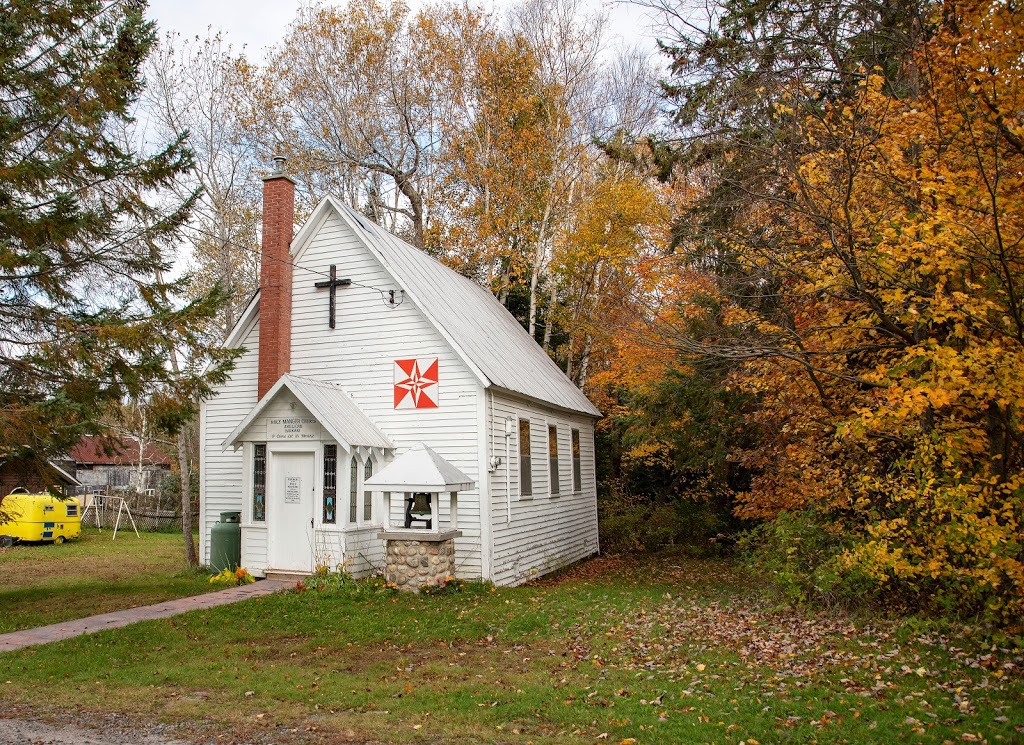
(353, 493)
(330, 484)
(367, 494)
(259, 482)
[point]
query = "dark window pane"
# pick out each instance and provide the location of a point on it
(525, 475)
(553, 458)
(367, 495)
(577, 477)
(353, 491)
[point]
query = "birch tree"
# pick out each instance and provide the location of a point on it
(566, 44)
(193, 87)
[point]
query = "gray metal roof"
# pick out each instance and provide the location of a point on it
(333, 408)
(420, 469)
(478, 325)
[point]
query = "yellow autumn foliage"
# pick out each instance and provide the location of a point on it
(893, 397)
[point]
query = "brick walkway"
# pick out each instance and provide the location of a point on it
(58, 631)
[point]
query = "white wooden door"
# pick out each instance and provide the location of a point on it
(290, 511)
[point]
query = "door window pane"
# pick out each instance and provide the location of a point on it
(259, 482)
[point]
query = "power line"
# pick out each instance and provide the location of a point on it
(387, 295)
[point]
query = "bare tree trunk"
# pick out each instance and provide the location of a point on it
(191, 552)
(506, 281)
(553, 296)
(538, 261)
(585, 362)
(411, 193)
(143, 437)
(534, 277)
(549, 316)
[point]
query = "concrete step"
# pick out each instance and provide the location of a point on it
(283, 575)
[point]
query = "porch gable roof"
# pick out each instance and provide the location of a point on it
(332, 407)
(420, 469)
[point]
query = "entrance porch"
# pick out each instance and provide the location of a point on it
(308, 451)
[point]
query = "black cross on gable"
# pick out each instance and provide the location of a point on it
(333, 284)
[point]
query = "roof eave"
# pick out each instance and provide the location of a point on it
(421, 487)
(71, 479)
(245, 322)
(594, 413)
(295, 390)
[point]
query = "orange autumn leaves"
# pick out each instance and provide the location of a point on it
(869, 303)
(892, 402)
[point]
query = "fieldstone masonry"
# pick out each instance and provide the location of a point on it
(417, 560)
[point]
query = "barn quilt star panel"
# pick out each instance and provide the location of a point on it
(416, 384)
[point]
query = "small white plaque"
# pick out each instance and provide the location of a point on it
(292, 428)
(292, 489)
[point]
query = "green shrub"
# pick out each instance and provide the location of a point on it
(341, 582)
(635, 524)
(800, 555)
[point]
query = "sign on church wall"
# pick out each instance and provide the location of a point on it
(293, 428)
(416, 384)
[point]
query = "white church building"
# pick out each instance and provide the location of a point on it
(369, 368)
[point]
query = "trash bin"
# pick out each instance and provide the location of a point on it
(226, 542)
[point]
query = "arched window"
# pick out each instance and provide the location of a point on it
(353, 492)
(367, 493)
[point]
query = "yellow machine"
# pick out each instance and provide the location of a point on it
(40, 517)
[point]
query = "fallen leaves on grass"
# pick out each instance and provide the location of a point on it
(712, 648)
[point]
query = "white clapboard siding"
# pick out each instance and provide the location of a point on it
(486, 333)
(359, 356)
(364, 552)
(254, 549)
(546, 531)
(221, 471)
(475, 345)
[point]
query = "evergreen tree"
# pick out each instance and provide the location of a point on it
(740, 84)
(86, 316)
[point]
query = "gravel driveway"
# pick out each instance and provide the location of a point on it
(29, 732)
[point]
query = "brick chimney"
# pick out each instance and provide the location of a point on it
(276, 277)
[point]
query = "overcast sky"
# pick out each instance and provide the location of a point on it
(259, 23)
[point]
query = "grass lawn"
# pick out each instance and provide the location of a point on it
(665, 651)
(44, 583)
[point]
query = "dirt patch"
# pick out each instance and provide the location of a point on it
(115, 732)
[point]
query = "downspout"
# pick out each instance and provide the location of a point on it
(508, 479)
